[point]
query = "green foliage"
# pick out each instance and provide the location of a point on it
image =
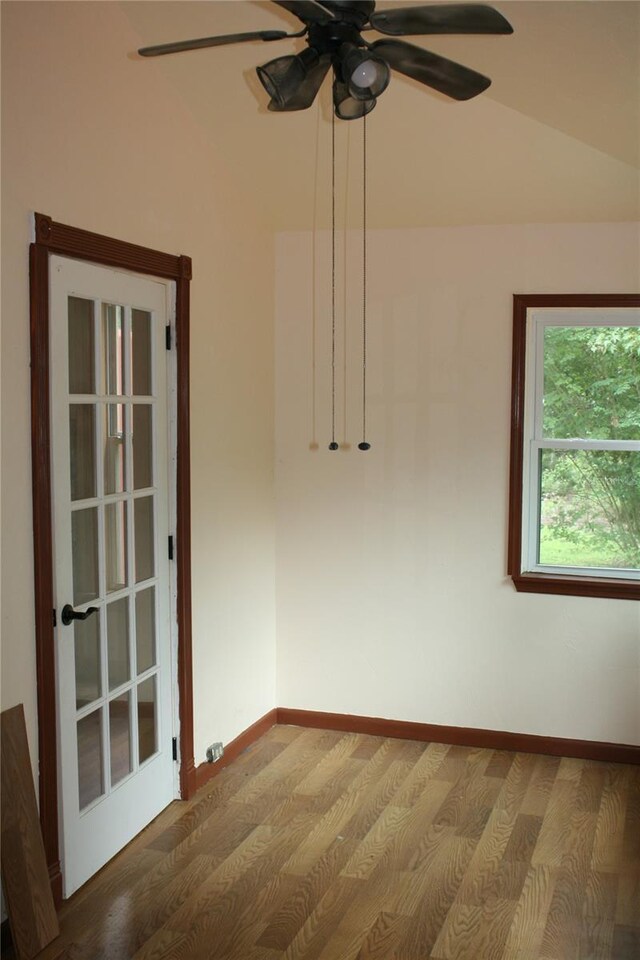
(592, 383)
(591, 499)
(556, 551)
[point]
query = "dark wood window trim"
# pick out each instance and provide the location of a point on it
(57, 238)
(539, 582)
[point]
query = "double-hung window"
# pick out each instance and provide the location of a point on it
(575, 445)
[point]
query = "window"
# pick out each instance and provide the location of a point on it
(574, 512)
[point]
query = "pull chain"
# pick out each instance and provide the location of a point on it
(363, 445)
(333, 445)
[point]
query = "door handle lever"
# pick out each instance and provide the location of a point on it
(69, 614)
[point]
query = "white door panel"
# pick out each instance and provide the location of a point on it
(111, 526)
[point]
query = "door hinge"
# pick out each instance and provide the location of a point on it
(167, 335)
(174, 748)
(170, 547)
(55, 619)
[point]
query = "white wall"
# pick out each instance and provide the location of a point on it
(392, 594)
(94, 140)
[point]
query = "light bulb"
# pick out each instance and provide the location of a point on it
(365, 74)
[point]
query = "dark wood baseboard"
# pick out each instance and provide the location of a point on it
(205, 771)
(425, 732)
(463, 736)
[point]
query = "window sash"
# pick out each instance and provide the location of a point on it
(534, 441)
(533, 502)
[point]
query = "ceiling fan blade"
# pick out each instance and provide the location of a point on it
(435, 71)
(440, 18)
(299, 86)
(181, 45)
(305, 10)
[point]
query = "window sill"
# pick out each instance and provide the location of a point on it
(606, 587)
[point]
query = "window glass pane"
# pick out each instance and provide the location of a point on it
(120, 737)
(82, 450)
(142, 446)
(118, 642)
(143, 513)
(590, 508)
(147, 718)
(114, 448)
(592, 383)
(81, 346)
(115, 542)
(84, 549)
(90, 778)
(141, 352)
(145, 628)
(86, 641)
(113, 343)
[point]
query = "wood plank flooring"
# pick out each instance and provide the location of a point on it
(318, 845)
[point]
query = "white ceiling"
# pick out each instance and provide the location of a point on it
(555, 138)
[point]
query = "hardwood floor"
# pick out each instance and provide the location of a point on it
(331, 846)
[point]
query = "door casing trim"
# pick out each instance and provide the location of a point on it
(57, 238)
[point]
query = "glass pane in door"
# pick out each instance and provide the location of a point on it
(90, 758)
(120, 737)
(141, 353)
(82, 450)
(113, 348)
(146, 719)
(84, 543)
(81, 345)
(115, 545)
(114, 451)
(86, 640)
(142, 446)
(118, 642)
(143, 523)
(145, 629)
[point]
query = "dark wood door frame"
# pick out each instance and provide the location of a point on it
(57, 238)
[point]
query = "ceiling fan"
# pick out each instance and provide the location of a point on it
(333, 31)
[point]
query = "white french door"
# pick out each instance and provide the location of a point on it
(111, 506)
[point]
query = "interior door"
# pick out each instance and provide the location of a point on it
(111, 483)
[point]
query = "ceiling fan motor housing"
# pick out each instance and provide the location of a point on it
(329, 37)
(351, 11)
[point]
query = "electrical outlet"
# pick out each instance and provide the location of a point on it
(214, 752)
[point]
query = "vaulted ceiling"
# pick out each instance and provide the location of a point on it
(555, 138)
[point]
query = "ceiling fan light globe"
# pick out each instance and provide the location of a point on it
(267, 83)
(368, 76)
(283, 77)
(348, 107)
(365, 74)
